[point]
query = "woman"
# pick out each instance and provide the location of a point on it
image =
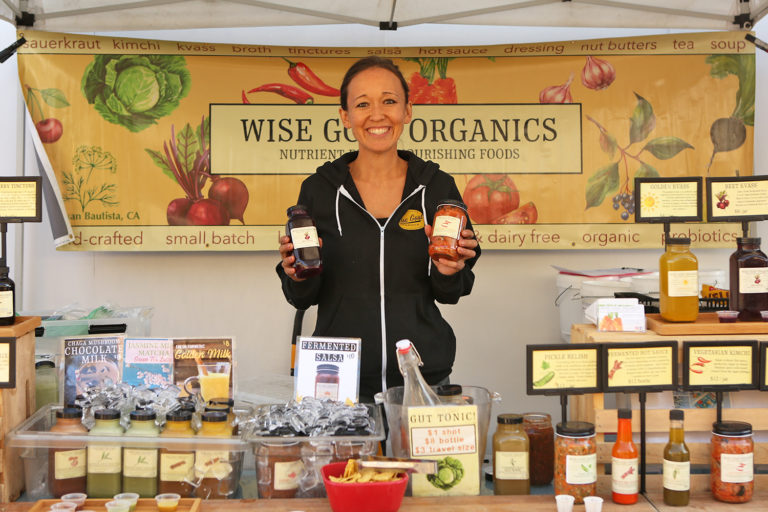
(371, 208)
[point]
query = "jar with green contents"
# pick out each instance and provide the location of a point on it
(177, 466)
(105, 459)
(140, 464)
(46, 383)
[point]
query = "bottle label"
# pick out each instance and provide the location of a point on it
(139, 463)
(326, 391)
(287, 475)
(511, 466)
(624, 478)
(445, 225)
(304, 237)
(6, 304)
(581, 469)
(176, 467)
(104, 459)
(736, 468)
(212, 464)
(683, 283)
(69, 464)
(677, 475)
(753, 280)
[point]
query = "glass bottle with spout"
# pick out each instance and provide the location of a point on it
(416, 391)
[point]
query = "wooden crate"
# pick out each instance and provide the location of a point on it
(697, 421)
(17, 404)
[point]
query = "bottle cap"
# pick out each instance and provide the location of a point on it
(143, 415)
(107, 414)
(214, 416)
(4, 270)
(676, 414)
(449, 390)
(575, 429)
(732, 428)
(403, 346)
(45, 364)
(179, 415)
(452, 202)
(298, 208)
(225, 400)
(683, 240)
(69, 413)
(509, 419)
(625, 414)
(748, 240)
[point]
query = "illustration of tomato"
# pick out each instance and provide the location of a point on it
(489, 196)
(526, 214)
(431, 84)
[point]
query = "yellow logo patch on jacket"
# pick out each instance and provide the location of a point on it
(412, 220)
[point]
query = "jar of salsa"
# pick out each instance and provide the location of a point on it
(732, 461)
(278, 469)
(575, 459)
(678, 282)
(450, 220)
(327, 382)
(306, 244)
(541, 435)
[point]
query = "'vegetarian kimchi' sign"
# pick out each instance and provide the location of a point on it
(175, 146)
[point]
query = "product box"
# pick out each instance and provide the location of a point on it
(619, 315)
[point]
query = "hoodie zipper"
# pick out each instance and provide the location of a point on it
(382, 313)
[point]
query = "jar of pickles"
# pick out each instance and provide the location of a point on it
(575, 459)
(538, 426)
(732, 461)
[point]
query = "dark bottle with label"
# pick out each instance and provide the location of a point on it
(7, 298)
(306, 244)
(749, 280)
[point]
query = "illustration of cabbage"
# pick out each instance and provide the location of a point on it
(135, 90)
(450, 471)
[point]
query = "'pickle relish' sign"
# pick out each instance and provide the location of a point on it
(640, 366)
(327, 368)
(555, 369)
(720, 365)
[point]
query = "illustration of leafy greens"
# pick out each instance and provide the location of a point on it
(450, 471)
(135, 90)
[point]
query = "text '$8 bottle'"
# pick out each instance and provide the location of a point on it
(677, 463)
(306, 244)
(416, 391)
(624, 467)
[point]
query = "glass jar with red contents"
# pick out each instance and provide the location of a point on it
(541, 435)
(576, 459)
(732, 461)
(450, 220)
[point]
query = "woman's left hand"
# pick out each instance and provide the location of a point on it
(466, 250)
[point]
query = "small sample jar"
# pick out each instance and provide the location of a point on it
(452, 394)
(450, 220)
(748, 270)
(541, 436)
(575, 459)
(731, 463)
(306, 244)
(278, 469)
(327, 382)
(678, 282)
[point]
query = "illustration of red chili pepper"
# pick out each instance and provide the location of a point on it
(616, 367)
(245, 99)
(305, 77)
(697, 364)
(287, 91)
(702, 360)
(425, 88)
(696, 370)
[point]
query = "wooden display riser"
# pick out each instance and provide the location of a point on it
(706, 503)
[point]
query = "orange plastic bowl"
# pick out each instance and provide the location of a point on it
(362, 497)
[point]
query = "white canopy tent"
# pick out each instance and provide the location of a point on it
(108, 15)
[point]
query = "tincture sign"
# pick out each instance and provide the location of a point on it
(327, 368)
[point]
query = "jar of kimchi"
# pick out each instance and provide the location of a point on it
(575, 459)
(450, 220)
(732, 461)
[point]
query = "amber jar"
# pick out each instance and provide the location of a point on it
(748, 271)
(278, 469)
(450, 220)
(541, 435)
(678, 282)
(327, 382)
(67, 467)
(731, 463)
(306, 244)
(511, 473)
(575, 459)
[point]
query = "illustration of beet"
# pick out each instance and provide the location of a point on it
(597, 74)
(49, 129)
(232, 194)
(207, 212)
(727, 134)
(557, 93)
(176, 213)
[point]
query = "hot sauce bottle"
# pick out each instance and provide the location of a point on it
(624, 468)
(306, 244)
(450, 220)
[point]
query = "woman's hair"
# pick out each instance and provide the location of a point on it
(368, 63)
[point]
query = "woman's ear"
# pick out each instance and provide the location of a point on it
(344, 115)
(408, 112)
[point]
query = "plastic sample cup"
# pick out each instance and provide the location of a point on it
(130, 497)
(564, 502)
(593, 503)
(78, 498)
(764, 314)
(727, 317)
(118, 506)
(167, 502)
(64, 506)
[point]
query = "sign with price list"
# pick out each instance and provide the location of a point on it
(637, 367)
(720, 365)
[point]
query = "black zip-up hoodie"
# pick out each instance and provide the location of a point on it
(360, 255)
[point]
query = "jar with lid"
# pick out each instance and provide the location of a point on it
(541, 438)
(510, 456)
(452, 394)
(278, 469)
(575, 459)
(306, 244)
(225, 405)
(104, 459)
(327, 382)
(140, 464)
(213, 468)
(678, 282)
(7, 298)
(731, 463)
(67, 467)
(450, 220)
(748, 270)
(46, 383)
(177, 466)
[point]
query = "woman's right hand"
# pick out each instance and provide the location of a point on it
(286, 253)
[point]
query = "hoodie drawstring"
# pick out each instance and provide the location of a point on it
(338, 220)
(424, 214)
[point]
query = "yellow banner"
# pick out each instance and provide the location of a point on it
(163, 146)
